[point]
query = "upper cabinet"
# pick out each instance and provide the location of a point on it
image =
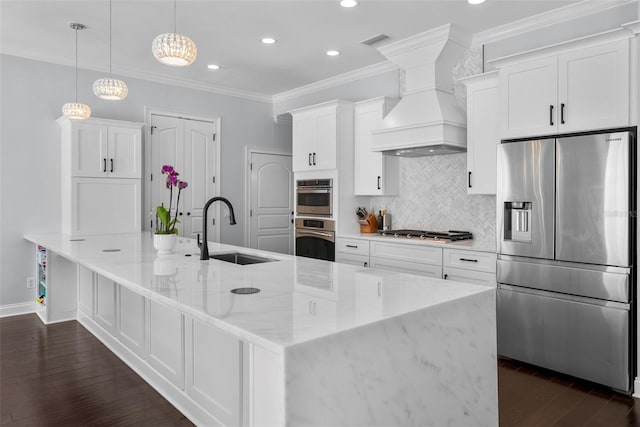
(317, 132)
(483, 132)
(374, 173)
(100, 149)
(575, 86)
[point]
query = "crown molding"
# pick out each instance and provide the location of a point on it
(145, 75)
(551, 17)
(348, 77)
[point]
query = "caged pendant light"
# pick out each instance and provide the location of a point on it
(76, 110)
(110, 88)
(174, 49)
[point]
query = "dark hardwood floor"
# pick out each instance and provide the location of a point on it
(61, 375)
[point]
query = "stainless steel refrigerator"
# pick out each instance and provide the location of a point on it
(566, 255)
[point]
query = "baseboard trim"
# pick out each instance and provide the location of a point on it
(17, 309)
(175, 396)
(636, 388)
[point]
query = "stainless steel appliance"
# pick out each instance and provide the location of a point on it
(566, 255)
(314, 197)
(431, 236)
(315, 238)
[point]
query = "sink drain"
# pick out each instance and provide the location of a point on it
(245, 291)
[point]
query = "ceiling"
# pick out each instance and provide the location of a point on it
(228, 33)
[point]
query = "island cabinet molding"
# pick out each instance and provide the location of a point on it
(318, 130)
(131, 320)
(374, 173)
(165, 341)
(86, 289)
(575, 86)
(483, 132)
(101, 167)
(105, 304)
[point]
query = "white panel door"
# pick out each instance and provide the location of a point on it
(528, 97)
(89, 151)
(594, 87)
(368, 174)
(167, 147)
(165, 341)
(85, 290)
(271, 193)
(131, 320)
(101, 206)
(304, 141)
(214, 371)
(198, 170)
(105, 304)
(125, 149)
(324, 152)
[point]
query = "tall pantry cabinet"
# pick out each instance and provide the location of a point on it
(101, 168)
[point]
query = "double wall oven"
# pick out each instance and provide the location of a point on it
(315, 236)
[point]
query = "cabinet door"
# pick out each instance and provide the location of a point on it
(105, 304)
(304, 137)
(89, 150)
(165, 341)
(483, 134)
(85, 290)
(368, 165)
(214, 361)
(101, 206)
(528, 97)
(124, 159)
(594, 87)
(323, 155)
(469, 276)
(131, 319)
(357, 260)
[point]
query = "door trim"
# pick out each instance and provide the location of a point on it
(248, 151)
(148, 113)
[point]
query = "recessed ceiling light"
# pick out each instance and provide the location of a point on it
(268, 40)
(348, 3)
(475, 1)
(333, 53)
(213, 67)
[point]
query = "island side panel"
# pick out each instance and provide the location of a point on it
(436, 366)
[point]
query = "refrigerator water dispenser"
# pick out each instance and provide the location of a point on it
(517, 224)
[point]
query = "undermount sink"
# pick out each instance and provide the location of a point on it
(240, 258)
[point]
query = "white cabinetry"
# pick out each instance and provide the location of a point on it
(576, 86)
(414, 259)
(101, 173)
(131, 320)
(56, 288)
(214, 364)
(105, 303)
(469, 266)
(483, 132)
(352, 251)
(165, 341)
(85, 290)
(317, 132)
(374, 173)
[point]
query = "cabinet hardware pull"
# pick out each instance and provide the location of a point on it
(366, 264)
(314, 159)
(562, 113)
(111, 165)
(445, 276)
(550, 115)
(468, 260)
(180, 213)
(379, 183)
(469, 179)
(104, 165)
(188, 213)
(309, 159)
(353, 246)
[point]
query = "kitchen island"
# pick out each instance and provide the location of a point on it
(321, 343)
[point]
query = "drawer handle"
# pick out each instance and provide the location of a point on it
(446, 276)
(353, 246)
(468, 260)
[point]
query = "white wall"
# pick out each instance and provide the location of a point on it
(33, 93)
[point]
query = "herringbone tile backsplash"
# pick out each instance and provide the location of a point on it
(433, 196)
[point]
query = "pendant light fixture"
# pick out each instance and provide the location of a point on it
(174, 49)
(76, 110)
(110, 88)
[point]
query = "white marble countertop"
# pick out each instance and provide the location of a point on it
(277, 317)
(470, 245)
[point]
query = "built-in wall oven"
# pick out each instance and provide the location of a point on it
(315, 238)
(314, 197)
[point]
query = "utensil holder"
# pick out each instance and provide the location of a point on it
(369, 224)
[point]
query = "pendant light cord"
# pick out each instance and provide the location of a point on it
(76, 65)
(175, 19)
(110, 73)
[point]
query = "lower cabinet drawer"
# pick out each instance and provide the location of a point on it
(470, 260)
(469, 276)
(352, 246)
(429, 270)
(358, 260)
(409, 253)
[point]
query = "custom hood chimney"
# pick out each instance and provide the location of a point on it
(427, 120)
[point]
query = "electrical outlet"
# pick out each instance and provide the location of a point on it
(31, 282)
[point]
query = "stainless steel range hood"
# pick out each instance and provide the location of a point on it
(428, 120)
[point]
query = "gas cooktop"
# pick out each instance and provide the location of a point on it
(434, 236)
